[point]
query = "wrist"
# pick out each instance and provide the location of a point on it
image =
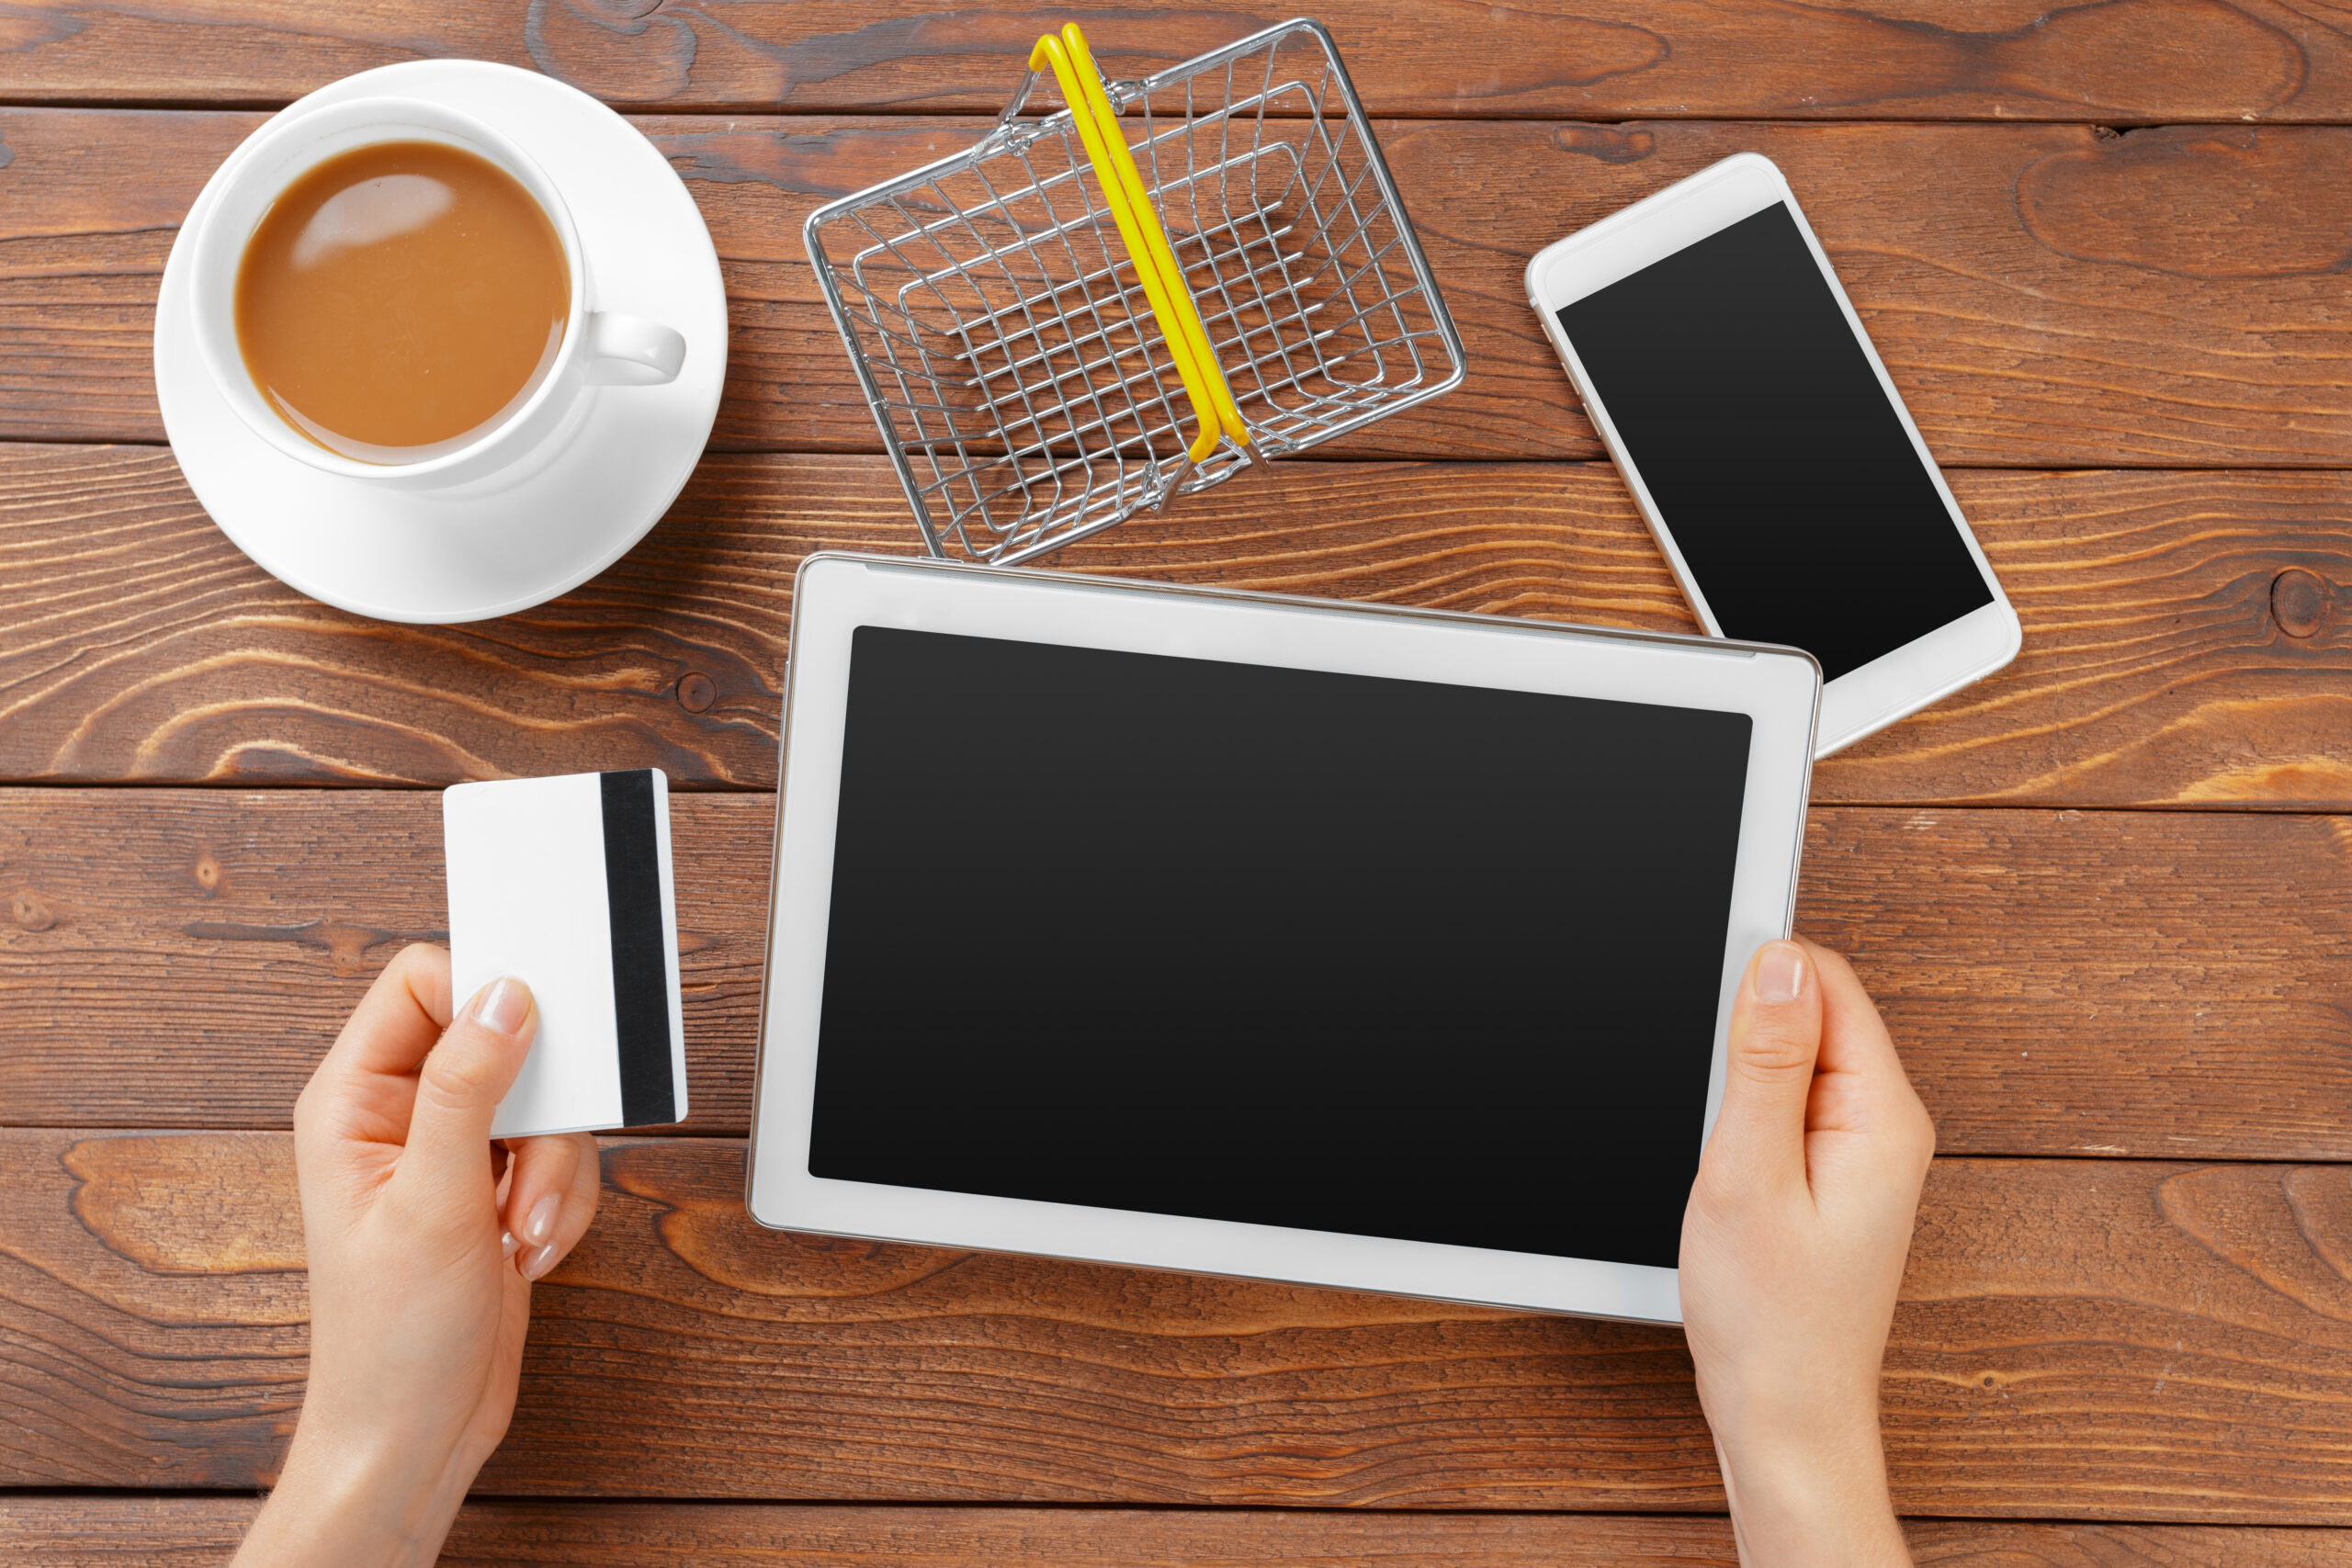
(351, 1496)
(1817, 1494)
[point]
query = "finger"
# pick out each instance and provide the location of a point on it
(1775, 1040)
(1853, 1037)
(557, 1219)
(396, 1024)
(545, 1171)
(363, 1088)
(457, 1091)
(1861, 1085)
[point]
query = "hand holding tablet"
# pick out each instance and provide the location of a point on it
(1792, 1251)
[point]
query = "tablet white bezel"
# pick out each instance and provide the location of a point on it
(834, 594)
(1895, 684)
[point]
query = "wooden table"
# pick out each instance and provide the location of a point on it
(2103, 250)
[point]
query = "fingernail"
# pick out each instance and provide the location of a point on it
(539, 1262)
(502, 1005)
(507, 1244)
(540, 1223)
(1779, 974)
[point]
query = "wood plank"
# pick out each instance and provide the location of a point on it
(2136, 61)
(2087, 1340)
(2059, 983)
(2044, 295)
(2188, 637)
(90, 1531)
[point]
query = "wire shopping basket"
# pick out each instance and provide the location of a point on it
(1066, 324)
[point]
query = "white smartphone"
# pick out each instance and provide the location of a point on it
(1766, 445)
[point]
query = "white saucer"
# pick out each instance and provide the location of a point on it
(410, 556)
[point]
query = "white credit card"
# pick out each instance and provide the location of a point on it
(564, 882)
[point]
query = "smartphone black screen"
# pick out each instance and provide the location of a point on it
(1383, 957)
(1781, 469)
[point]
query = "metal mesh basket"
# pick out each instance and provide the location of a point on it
(1001, 329)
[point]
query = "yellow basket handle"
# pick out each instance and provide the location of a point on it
(1170, 295)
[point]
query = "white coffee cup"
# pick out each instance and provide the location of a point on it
(600, 347)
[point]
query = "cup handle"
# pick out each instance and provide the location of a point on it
(622, 350)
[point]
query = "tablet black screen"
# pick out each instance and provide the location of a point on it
(1341, 952)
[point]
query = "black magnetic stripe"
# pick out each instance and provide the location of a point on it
(640, 967)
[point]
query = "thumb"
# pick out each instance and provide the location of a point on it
(469, 1072)
(1775, 1038)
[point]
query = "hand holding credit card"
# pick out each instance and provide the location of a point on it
(565, 884)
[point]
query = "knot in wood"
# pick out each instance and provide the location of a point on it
(2298, 602)
(697, 692)
(1606, 143)
(30, 913)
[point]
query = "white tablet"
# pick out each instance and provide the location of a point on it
(1367, 947)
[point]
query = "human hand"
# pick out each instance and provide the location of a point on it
(423, 1238)
(1793, 1249)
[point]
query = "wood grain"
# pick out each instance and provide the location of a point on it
(2139, 59)
(2044, 295)
(2059, 983)
(2077, 1339)
(2188, 637)
(2102, 1339)
(97, 1531)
